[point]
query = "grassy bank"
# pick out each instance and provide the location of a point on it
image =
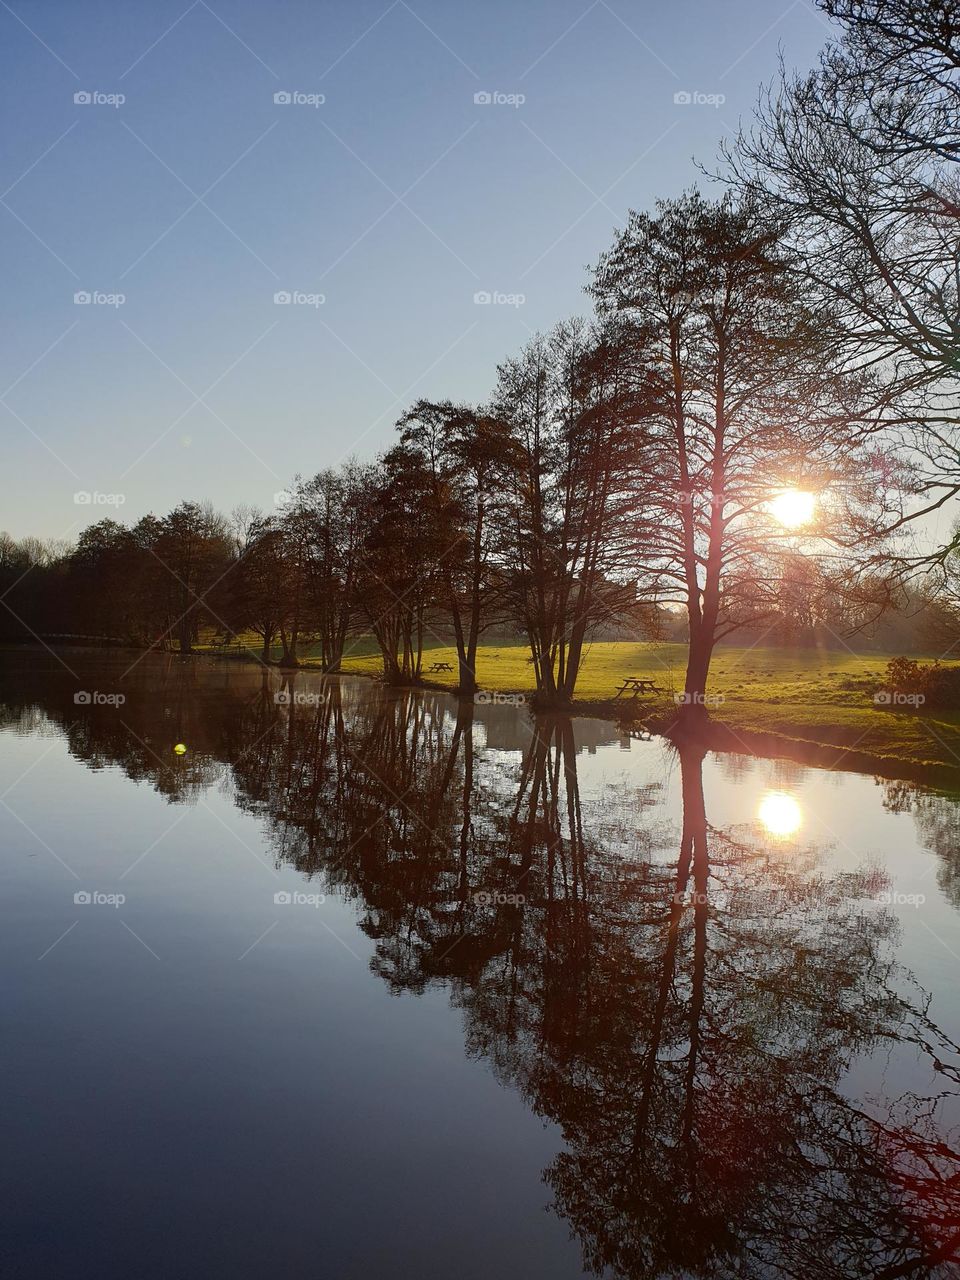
(804, 696)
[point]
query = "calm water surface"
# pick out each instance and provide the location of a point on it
(364, 985)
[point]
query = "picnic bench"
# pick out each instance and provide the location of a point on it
(636, 684)
(638, 735)
(439, 666)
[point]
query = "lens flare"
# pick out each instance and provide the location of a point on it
(180, 749)
(793, 508)
(780, 814)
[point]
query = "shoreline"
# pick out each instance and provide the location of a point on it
(716, 736)
(713, 735)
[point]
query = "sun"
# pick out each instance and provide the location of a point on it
(780, 814)
(793, 507)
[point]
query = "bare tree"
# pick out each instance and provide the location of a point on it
(194, 549)
(569, 548)
(399, 561)
(463, 453)
(336, 500)
(744, 403)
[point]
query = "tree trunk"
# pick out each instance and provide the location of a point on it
(184, 632)
(466, 678)
(288, 658)
(693, 710)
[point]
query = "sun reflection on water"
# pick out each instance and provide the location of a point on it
(780, 814)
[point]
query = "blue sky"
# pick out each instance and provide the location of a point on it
(399, 198)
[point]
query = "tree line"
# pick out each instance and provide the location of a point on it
(797, 333)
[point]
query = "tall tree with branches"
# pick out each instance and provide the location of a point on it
(744, 402)
(571, 401)
(463, 453)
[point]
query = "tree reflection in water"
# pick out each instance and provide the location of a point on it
(937, 818)
(688, 1020)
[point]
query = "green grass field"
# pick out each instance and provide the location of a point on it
(817, 696)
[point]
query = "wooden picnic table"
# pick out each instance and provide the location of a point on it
(639, 735)
(637, 684)
(439, 666)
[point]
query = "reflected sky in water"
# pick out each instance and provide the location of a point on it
(361, 983)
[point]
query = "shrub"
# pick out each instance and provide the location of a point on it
(904, 675)
(933, 685)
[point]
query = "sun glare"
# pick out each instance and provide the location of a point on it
(794, 507)
(780, 814)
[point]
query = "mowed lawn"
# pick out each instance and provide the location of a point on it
(823, 696)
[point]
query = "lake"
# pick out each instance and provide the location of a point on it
(310, 977)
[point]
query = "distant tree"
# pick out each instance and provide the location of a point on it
(335, 502)
(151, 601)
(399, 561)
(251, 597)
(569, 546)
(463, 453)
(295, 525)
(32, 594)
(244, 524)
(104, 570)
(194, 548)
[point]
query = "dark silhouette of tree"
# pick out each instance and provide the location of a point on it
(193, 548)
(400, 568)
(569, 548)
(464, 454)
(337, 502)
(252, 593)
(745, 400)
